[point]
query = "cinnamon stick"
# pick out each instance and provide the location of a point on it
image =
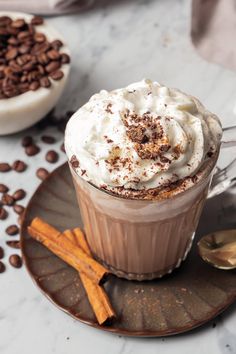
(59, 244)
(97, 296)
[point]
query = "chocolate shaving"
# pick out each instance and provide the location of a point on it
(176, 152)
(108, 109)
(74, 162)
(137, 134)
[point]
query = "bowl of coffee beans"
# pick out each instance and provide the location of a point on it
(34, 68)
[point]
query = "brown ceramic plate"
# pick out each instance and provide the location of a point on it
(189, 297)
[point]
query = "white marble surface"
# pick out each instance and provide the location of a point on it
(113, 44)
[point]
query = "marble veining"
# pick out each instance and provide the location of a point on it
(113, 44)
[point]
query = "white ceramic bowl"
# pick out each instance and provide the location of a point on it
(20, 112)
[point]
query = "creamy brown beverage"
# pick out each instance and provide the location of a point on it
(142, 158)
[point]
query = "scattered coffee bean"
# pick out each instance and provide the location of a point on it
(5, 167)
(19, 194)
(42, 173)
(52, 156)
(32, 150)
(57, 75)
(2, 267)
(62, 147)
(27, 141)
(3, 188)
(48, 139)
(7, 199)
(15, 261)
(1, 253)
(19, 166)
(37, 20)
(3, 214)
(13, 244)
(18, 209)
(12, 230)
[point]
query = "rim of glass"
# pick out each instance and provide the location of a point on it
(188, 190)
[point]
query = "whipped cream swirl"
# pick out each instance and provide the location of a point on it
(141, 137)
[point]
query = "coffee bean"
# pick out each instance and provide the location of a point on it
(56, 44)
(40, 48)
(27, 57)
(2, 267)
(65, 59)
(43, 58)
(62, 147)
(27, 141)
(45, 82)
(15, 261)
(19, 194)
(3, 213)
(41, 71)
(1, 253)
(52, 66)
(24, 49)
(18, 209)
(53, 54)
(42, 173)
(39, 37)
(11, 54)
(18, 23)
(5, 21)
(36, 20)
(34, 86)
(57, 75)
(19, 166)
(5, 167)
(52, 156)
(13, 244)
(7, 199)
(3, 188)
(23, 36)
(12, 230)
(48, 139)
(32, 150)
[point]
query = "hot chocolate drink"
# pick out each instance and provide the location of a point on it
(142, 159)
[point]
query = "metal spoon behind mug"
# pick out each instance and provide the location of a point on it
(219, 249)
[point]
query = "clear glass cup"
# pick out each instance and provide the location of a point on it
(144, 239)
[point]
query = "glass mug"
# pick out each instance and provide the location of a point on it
(146, 239)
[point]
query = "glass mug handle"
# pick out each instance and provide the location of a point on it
(226, 177)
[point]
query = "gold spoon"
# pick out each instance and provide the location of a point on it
(219, 249)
